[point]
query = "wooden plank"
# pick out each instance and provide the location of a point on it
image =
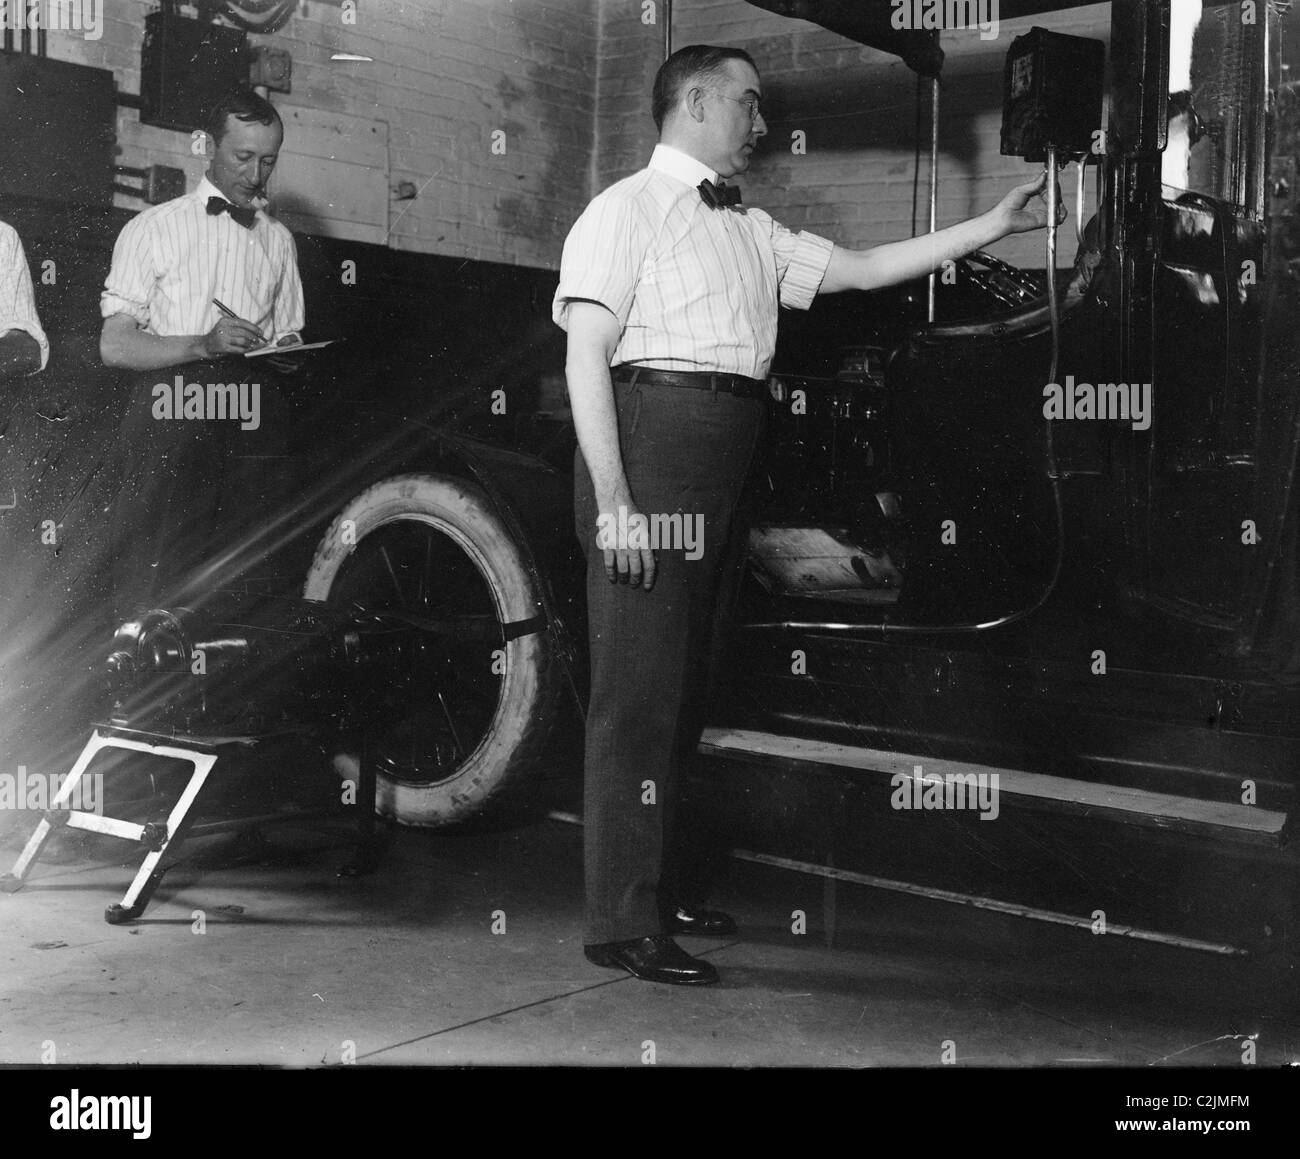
(110, 826)
(1118, 802)
(332, 199)
(334, 137)
(332, 177)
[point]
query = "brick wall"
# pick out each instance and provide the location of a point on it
(568, 81)
(857, 108)
(445, 75)
(631, 49)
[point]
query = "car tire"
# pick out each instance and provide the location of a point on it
(488, 773)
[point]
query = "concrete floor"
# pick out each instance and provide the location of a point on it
(298, 967)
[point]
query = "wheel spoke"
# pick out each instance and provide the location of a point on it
(422, 592)
(388, 563)
(451, 724)
(428, 599)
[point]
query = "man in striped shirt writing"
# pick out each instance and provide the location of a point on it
(171, 261)
(172, 265)
(667, 280)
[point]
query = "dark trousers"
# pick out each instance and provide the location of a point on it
(191, 488)
(684, 452)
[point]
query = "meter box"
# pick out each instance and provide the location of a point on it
(1052, 88)
(186, 66)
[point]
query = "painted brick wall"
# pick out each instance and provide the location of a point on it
(631, 49)
(857, 108)
(569, 82)
(445, 75)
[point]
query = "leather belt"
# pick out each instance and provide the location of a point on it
(736, 384)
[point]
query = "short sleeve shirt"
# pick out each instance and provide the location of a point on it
(693, 287)
(172, 260)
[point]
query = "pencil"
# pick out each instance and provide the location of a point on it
(229, 313)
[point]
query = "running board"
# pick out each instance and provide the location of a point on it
(1246, 824)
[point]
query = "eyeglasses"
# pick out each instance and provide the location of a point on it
(750, 103)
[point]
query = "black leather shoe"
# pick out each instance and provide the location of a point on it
(687, 919)
(653, 959)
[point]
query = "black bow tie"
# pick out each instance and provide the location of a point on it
(720, 196)
(244, 217)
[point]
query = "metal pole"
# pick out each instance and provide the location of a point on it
(934, 182)
(1053, 307)
(976, 901)
(668, 28)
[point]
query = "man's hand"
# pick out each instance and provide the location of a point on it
(284, 364)
(620, 532)
(231, 336)
(1025, 207)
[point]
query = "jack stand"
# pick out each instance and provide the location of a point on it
(201, 753)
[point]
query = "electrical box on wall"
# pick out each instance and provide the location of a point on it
(186, 66)
(1052, 94)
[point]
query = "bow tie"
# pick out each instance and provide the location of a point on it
(244, 217)
(720, 196)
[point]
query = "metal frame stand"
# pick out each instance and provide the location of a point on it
(202, 754)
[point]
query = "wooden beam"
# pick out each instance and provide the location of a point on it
(1242, 823)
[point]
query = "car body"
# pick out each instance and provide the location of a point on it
(1105, 613)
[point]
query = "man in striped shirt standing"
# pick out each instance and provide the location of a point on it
(669, 282)
(172, 264)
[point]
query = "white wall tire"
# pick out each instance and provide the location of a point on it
(495, 751)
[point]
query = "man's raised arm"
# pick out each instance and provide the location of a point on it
(1019, 211)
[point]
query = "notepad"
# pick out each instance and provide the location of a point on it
(291, 348)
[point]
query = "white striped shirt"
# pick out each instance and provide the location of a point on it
(172, 260)
(693, 288)
(17, 302)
